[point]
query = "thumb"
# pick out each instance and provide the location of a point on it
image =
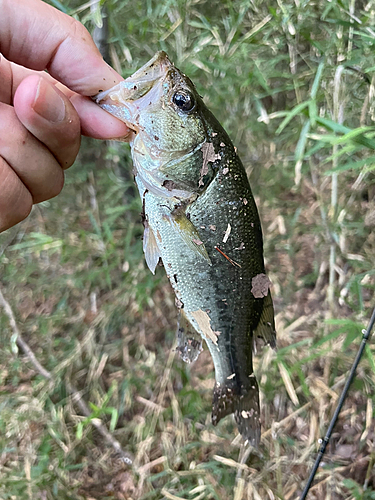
(38, 36)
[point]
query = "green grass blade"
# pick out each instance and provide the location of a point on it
(294, 112)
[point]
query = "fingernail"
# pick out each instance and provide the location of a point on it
(47, 103)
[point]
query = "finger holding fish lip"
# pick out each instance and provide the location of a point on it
(94, 122)
(99, 125)
(50, 117)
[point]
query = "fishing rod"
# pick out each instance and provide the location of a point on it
(365, 338)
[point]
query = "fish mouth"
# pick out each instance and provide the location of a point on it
(141, 89)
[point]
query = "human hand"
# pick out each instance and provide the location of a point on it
(42, 115)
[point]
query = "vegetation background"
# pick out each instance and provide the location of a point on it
(293, 84)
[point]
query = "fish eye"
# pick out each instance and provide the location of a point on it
(184, 100)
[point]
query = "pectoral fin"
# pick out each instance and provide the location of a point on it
(151, 249)
(266, 326)
(189, 341)
(189, 234)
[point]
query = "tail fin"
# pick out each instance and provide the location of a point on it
(245, 406)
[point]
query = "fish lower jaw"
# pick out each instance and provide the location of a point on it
(132, 126)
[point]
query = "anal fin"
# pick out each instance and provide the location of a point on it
(189, 342)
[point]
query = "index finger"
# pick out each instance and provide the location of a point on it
(38, 36)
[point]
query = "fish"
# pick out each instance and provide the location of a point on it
(201, 222)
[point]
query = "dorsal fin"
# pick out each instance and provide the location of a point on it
(266, 326)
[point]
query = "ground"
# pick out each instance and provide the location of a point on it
(110, 388)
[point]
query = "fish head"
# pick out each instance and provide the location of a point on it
(161, 106)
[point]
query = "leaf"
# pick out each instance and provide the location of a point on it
(353, 165)
(79, 432)
(341, 129)
(316, 147)
(330, 336)
(59, 6)
(294, 112)
(94, 408)
(353, 134)
(114, 419)
(313, 112)
(327, 138)
(349, 149)
(97, 16)
(287, 379)
(37, 242)
(315, 85)
(370, 357)
(301, 144)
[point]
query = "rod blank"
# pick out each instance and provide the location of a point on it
(349, 380)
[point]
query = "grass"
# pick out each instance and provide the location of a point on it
(293, 85)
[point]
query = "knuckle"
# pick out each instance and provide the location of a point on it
(15, 199)
(6, 79)
(72, 129)
(11, 129)
(24, 209)
(57, 185)
(18, 214)
(52, 185)
(77, 31)
(67, 149)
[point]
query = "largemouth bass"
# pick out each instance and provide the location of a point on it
(201, 221)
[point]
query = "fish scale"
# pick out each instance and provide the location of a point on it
(202, 222)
